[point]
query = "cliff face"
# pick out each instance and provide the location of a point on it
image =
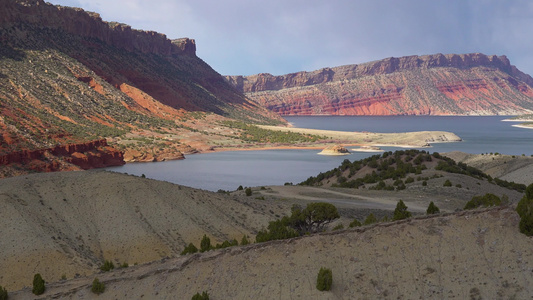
(69, 78)
(468, 84)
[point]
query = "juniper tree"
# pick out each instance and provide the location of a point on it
(432, 209)
(401, 212)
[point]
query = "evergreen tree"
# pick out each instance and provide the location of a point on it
(205, 244)
(525, 211)
(324, 279)
(98, 287)
(432, 209)
(38, 284)
(401, 212)
(190, 249)
(244, 241)
(203, 296)
(3, 293)
(355, 223)
(370, 219)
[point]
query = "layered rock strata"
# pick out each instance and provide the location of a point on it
(466, 84)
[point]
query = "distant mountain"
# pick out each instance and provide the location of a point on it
(466, 84)
(69, 78)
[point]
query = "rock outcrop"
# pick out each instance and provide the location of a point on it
(90, 155)
(467, 84)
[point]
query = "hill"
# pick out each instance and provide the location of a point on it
(69, 78)
(451, 84)
(475, 254)
(68, 223)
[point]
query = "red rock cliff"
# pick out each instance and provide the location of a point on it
(432, 84)
(87, 24)
(94, 154)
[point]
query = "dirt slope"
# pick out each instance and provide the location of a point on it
(477, 255)
(69, 223)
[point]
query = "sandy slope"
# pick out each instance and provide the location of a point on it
(82, 218)
(468, 255)
(506, 167)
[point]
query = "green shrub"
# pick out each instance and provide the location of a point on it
(244, 240)
(401, 212)
(98, 287)
(447, 183)
(203, 296)
(424, 183)
(370, 219)
(432, 209)
(190, 249)
(38, 284)
(3, 293)
(205, 244)
(486, 201)
(355, 223)
(107, 266)
(248, 192)
(124, 265)
(338, 227)
(324, 279)
(525, 211)
(240, 188)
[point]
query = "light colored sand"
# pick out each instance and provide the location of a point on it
(405, 139)
(474, 255)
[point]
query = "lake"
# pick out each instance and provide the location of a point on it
(228, 170)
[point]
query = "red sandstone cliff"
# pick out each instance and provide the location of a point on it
(94, 154)
(467, 84)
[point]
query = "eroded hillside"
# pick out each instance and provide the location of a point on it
(68, 223)
(475, 254)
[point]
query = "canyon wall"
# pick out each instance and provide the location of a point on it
(466, 84)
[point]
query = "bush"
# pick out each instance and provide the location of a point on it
(525, 211)
(447, 183)
(486, 201)
(38, 284)
(190, 249)
(98, 287)
(355, 223)
(107, 266)
(324, 279)
(205, 244)
(371, 219)
(338, 227)
(432, 209)
(3, 293)
(244, 240)
(248, 191)
(203, 296)
(401, 212)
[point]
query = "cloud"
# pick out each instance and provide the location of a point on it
(279, 36)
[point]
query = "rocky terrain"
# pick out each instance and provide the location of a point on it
(451, 84)
(69, 78)
(65, 225)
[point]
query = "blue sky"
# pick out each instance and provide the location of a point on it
(244, 37)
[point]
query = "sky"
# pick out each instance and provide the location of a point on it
(245, 37)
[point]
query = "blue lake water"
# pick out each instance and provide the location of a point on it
(228, 170)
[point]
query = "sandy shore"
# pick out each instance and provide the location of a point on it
(416, 139)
